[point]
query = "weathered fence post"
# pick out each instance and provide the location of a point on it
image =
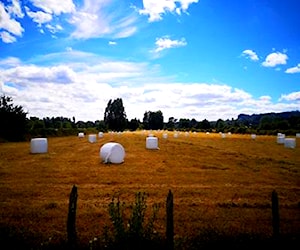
(71, 224)
(170, 222)
(275, 215)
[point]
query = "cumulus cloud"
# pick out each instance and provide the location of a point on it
(156, 9)
(8, 24)
(39, 17)
(265, 98)
(295, 96)
(274, 59)
(54, 29)
(83, 82)
(163, 43)
(15, 9)
(293, 70)
(248, 53)
(6, 37)
(55, 7)
(103, 19)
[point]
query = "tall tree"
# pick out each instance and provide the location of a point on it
(115, 115)
(13, 122)
(153, 120)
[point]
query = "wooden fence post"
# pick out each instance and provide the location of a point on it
(71, 223)
(275, 215)
(170, 222)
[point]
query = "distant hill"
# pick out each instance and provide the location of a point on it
(254, 119)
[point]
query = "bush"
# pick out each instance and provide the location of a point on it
(132, 233)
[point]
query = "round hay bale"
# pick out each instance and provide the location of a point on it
(39, 145)
(80, 134)
(112, 152)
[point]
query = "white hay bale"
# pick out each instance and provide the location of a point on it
(80, 134)
(92, 138)
(253, 136)
(289, 142)
(100, 134)
(39, 145)
(165, 135)
(223, 135)
(175, 135)
(297, 135)
(280, 138)
(152, 142)
(112, 152)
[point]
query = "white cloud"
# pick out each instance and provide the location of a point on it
(274, 59)
(156, 9)
(265, 98)
(82, 84)
(250, 54)
(10, 62)
(39, 17)
(295, 96)
(163, 43)
(103, 19)
(9, 24)
(112, 43)
(6, 37)
(56, 7)
(293, 70)
(15, 9)
(54, 29)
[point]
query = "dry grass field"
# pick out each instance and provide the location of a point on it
(219, 183)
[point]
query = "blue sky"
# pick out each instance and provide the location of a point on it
(202, 59)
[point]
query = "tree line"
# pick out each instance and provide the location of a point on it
(16, 126)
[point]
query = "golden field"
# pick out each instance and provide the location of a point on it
(219, 183)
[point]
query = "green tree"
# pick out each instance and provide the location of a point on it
(220, 125)
(100, 125)
(133, 124)
(171, 123)
(204, 125)
(153, 120)
(13, 122)
(184, 123)
(115, 115)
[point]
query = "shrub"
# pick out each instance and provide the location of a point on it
(133, 232)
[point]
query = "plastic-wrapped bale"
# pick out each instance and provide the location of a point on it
(280, 138)
(39, 145)
(100, 134)
(253, 136)
(152, 142)
(92, 138)
(289, 142)
(80, 134)
(112, 152)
